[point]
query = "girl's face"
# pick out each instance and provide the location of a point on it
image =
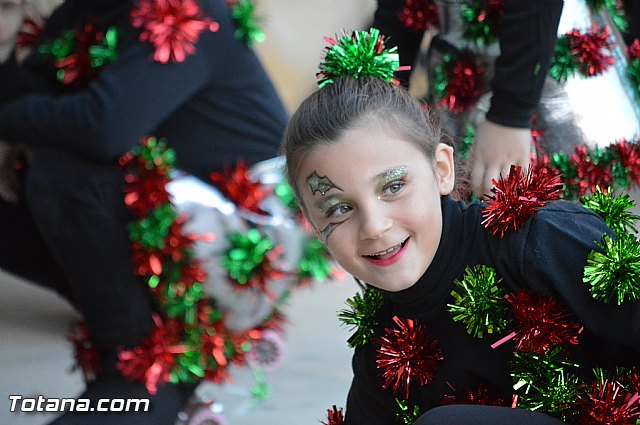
(374, 200)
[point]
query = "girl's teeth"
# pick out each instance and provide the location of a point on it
(379, 254)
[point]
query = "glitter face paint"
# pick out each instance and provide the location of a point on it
(320, 184)
(396, 174)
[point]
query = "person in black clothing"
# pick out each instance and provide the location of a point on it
(527, 36)
(65, 227)
(375, 176)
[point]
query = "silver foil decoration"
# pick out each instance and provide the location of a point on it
(209, 211)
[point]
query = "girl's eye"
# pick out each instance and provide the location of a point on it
(393, 187)
(338, 210)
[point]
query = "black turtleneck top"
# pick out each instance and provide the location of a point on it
(216, 107)
(546, 254)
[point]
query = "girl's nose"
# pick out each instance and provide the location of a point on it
(375, 222)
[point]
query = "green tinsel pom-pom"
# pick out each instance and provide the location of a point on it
(467, 141)
(362, 316)
(478, 302)
(612, 6)
(151, 232)
(361, 54)
(614, 210)
(543, 384)
(155, 155)
(287, 196)
(107, 51)
(614, 273)
(248, 28)
(247, 252)
(407, 415)
(563, 63)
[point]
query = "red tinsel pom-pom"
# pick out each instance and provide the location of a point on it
(30, 33)
(516, 197)
(86, 354)
(334, 416)
(589, 172)
(629, 154)
(476, 395)
(465, 84)
(407, 354)
(171, 26)
(608, 402)
(237, 185)
(153, 361)
(419, 15)
(634, 50)
(590, 50)
(543, 323)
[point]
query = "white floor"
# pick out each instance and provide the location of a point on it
(35, 358)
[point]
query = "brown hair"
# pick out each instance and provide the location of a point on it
(332, 110)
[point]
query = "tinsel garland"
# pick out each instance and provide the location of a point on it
(171, 26)
(361, 54)
(78, 55)
(616, 166)
(585, 54)
(247, 25)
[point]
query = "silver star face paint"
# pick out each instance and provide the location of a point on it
(320, 184)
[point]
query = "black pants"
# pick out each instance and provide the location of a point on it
(69, 234)
(483, 415)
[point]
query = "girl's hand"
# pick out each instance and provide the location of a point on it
(494, 150)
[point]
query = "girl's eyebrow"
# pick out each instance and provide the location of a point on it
(391, 174)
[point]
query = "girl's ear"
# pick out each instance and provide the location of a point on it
(444, 168)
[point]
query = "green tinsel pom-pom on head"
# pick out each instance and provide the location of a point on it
(614, 273)
(362, 315)
(479, 302)
(361, 54)
(614, 210)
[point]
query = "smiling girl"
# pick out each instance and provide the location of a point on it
(375, 177)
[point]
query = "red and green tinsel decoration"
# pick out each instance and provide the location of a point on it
(237, 185)
(360, 54)
(615, 10)
(479, 302)
(419, 15)
(633, 69)
(407, 415)
(407, 354)
(362, 316)
(616, 166)
(247, 24)
(459, 82)
(189, 341)
(173, 27)
(250, 260)
(517, 196)
(79, 55)
(481, 20)
(585, 54)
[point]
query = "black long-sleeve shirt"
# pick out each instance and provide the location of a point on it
(528, 33)
(547, 254)
(216, 107)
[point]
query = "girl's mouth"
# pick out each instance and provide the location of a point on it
(388, 256)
